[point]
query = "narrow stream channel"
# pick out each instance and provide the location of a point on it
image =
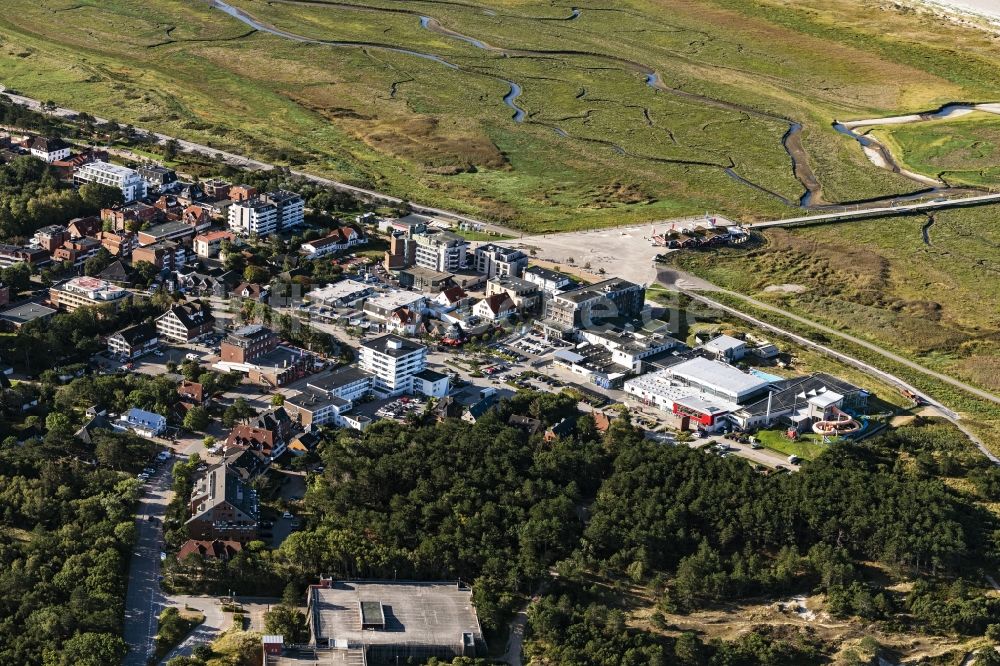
(811, 197)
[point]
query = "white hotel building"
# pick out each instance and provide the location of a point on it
(393, 361)
(253, 217)
(127, 180)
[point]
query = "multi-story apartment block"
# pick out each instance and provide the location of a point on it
(592, 305)
(15, 254)
(134, 341)
(51, 237)
(127, 180)
(118, 243)
(164, 254)
(290, 208)
(393, 361)
(525, 295)
(133, 215)
(77, 250)
(441, 251)
(549, 282)
(157, 176)
(253, 217)
(88, 291)
(183, 323)
(175, 231)
(494, 260)
(222, 506)
(242, 192)
(247, 344)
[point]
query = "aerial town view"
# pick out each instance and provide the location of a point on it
(499, 332)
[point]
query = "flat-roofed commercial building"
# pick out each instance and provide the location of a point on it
(719, 379)
(395, 622)
(25, 313)
(340, 294)
(88, 291)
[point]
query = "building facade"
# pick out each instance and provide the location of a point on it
(88, 291)
(393, 361)
(127, 180)
(497, 261)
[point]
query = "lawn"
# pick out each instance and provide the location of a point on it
(597, 145)
(807, 446)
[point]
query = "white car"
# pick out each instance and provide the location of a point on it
(158, 353)
(192, 357)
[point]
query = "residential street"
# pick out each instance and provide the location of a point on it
(144, 600)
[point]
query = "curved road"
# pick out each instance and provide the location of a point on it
(680, 282)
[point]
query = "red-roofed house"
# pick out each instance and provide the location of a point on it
(216, 550)
(207, 244)
(492, 308)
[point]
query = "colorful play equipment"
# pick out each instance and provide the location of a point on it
(841, 424)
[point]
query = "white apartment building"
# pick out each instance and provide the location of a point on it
(253, 217)
(496, 261)
(86, 291)
(127, 180)
(289, 208)
(548, 282)
(441, 251)
(393, 361)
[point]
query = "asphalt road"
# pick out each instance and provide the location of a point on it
(144, 601)
(244, 162)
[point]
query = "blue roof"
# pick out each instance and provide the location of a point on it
(136, 415)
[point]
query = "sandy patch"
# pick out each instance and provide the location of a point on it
(785, 288)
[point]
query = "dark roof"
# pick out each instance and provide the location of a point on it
(784, 394)
(527, 424)
(382, 345)
(47, 144)
(138, 334)
(192, 314)
(429, 375)
(483, 406)
(547, 274)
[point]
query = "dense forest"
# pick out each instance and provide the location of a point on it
(66, 532)
(491, 504)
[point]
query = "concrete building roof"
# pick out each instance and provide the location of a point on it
(723, 343)
(718, 376)
(22, 314)
(414, 613)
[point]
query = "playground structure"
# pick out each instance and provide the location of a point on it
(841, 424)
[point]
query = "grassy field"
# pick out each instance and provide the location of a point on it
(598, 146)
(936, 300)
(962, 151)
(807, 446)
